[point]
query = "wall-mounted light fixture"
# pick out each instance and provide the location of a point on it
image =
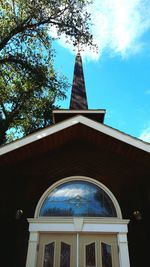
(19, 214)
(137, 215)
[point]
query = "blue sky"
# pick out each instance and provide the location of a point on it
(118, 76)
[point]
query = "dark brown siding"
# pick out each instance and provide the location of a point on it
(24, 182)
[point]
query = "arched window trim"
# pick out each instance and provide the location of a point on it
(78, 178)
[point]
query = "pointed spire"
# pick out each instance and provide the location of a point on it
(78, 99)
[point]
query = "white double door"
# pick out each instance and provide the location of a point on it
(77, 250)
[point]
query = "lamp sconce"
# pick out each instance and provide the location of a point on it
(18, 214)
(137, 215)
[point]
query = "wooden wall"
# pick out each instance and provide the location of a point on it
(23, 183)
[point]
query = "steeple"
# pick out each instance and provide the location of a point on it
(78, 99)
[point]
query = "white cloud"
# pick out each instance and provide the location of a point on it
(145, 135)
(69, 192)
(118, 26)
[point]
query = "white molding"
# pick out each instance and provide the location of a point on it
(119, 135)
(89, 111)
(78, 223)
(79, 178)
(68, 123)
(70, 220)
(71, 227)
(123, 250)
(97, 225)
(86, 225)
(78, 252)
(32, 249)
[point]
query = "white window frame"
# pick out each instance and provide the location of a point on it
(93, 225)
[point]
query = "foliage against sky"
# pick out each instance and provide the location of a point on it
(117, 27)
(29, 85)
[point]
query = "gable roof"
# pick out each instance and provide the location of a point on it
(99, 127)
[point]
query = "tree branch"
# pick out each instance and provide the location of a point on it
(23, 63)
(4, 110)
(25, 25)
(14, 31)
(14, 12)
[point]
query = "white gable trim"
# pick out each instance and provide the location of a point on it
(68, 123)
(76, 111)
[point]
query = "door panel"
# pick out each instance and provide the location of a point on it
(98, 251)
(94, 250)
(63, 253)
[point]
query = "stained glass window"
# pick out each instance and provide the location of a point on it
(106, 255)
(78, 198)
(49, 255)
(65, 255)
(90, 255)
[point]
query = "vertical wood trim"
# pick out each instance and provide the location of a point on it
(123, 250)
(77, 259)
(32, 249)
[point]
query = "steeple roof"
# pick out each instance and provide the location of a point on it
(78, 99)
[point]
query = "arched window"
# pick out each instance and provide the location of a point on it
(77, 198)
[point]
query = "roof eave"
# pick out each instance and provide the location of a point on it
(135, 142)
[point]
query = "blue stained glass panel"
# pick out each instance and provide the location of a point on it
(106, 255)
(65, 255)
(78, 198)
(49, 255)
(90, 255)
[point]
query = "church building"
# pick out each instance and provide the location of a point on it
(77, 193)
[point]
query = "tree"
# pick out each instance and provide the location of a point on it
(29, 85)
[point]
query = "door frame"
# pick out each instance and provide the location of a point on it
(78, 225)
(99, 225)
